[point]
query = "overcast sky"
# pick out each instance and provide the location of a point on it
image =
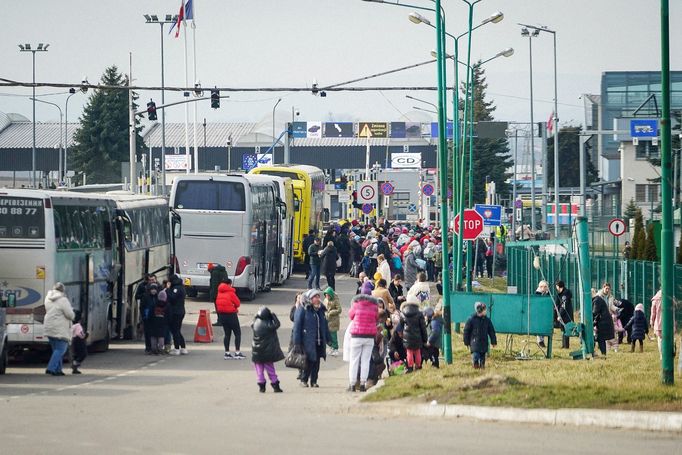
(266, 43)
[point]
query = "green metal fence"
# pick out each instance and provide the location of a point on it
(636, 281)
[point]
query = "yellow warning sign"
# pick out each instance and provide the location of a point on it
(40, 272)
(373, 129)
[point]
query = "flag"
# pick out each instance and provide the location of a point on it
(550, 124)
(181, 17)
(186, 13)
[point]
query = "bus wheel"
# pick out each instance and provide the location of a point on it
(4, 358)
(103, 345)
(192, 292)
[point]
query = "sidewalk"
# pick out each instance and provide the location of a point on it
(612, 419)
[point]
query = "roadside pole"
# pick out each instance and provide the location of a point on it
(667, 246)
(443, 173)
(131, 130)
(585, 272)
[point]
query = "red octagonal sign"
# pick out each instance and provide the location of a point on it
(473, 224)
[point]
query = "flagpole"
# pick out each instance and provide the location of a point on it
(194, 61)
(187, 155)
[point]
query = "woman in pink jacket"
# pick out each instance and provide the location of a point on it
(655, 319)
(364, 313)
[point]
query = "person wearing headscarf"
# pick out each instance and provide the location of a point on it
(57, 326)
(311, 332)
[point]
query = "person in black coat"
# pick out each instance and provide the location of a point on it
(477, 330)
(602, 321)
(307, 241)
(343, 248)
(563, 311)
(265, 348)
(396, 346)
(329, 257)
(626, 310)
(414, 332)
(176, 313)
(311, 332)
(637, 327)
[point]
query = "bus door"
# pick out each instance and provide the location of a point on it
(298, 216)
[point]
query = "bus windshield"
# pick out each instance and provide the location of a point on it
(210, 195)
(22, 218)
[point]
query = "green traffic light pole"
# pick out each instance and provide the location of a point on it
(667, 246)
(442, 160)
(468, 96)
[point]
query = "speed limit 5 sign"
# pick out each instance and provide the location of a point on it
(368, 193)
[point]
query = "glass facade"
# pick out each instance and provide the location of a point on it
(622, 92)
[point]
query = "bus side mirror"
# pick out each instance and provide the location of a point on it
(176, 223)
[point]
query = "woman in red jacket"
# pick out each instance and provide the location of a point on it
(227, 306)
(364, 313)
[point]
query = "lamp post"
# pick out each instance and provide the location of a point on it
(27, 48)
(273, 124)
(60, 130)
(555, 123)
(169, 19)
(526, 33)
(667, 244)
(516, 148)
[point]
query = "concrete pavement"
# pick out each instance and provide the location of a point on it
(126, 402)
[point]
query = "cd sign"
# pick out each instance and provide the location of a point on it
(406, 160)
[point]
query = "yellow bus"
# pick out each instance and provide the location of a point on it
(308, 199)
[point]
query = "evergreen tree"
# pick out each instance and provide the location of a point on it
(491, 157)
(630, 210)
(102, 141)
(650, 253)
(569, 158)
(639, 237)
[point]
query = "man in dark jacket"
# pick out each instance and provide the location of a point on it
(396, 346)
(176, 300)
(315, 261)
(329, 257)
(343, 248)
(601, 318)
(307, 241)
(265, 348)
(218, 275)
(563, 311)
(478, 329)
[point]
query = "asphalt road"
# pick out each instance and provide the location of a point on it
(126, 402)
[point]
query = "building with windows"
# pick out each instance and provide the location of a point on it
(625, 170)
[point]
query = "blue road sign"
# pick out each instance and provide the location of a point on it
(387, 189)
(492, 214)
(449, 130)
(518, 204)
(249, 161)
(428, 189)
(299, 130)
(367, 208)
(644, 127)
(412, 208)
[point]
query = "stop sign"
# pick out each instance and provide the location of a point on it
(473, 224)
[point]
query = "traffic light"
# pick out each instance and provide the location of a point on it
(151, 110)
(215, 98)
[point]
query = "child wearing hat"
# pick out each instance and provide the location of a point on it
(639, 326)
(331, 301)
(478, 329)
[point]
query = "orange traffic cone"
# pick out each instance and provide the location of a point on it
(203, 332)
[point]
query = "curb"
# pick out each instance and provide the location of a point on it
(612, 419)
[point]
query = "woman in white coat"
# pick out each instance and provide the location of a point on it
(384, 268)
(57, 326)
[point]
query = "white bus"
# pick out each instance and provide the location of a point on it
(84, 241)
(227, 220)
(282, 267)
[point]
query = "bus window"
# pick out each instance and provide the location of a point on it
(297, 204)
(210, 195)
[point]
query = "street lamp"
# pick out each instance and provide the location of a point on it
(530, 35)
(60, 130)
(27, 48)
(72, 91)
(169, 19)
(555, 122)
(273, 120)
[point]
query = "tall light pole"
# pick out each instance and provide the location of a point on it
(555, 123)
(169, 19)
(526, 33)
(667, 244)
(273, 123)
(60, 129)
(27, 48)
